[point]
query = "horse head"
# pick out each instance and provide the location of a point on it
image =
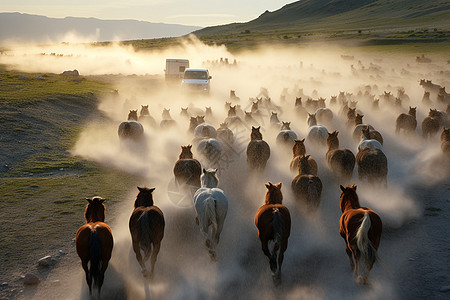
(232, 111)
(412, 111)
(200, 119)
(224, 125)
(273, 194)
(186, 152)
(312, 121)
(298, 148)
(332, 140)
(286, 126)
(256, 134)
(209, 178)
(298, 101)
(144, 110)
(95, 210)
(358, 119)
(166, 114)
(132, 115)
(349, 198)
(144, 197)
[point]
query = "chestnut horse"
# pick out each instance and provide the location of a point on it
(187, 170)
(298, 150)
(258, 151)
(273, 221)
(407, 122)
(94, 243)
(340, 161)
(307, 187)
(146, 228)
(361, 228)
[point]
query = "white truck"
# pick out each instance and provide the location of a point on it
(175, 68)
(196, 80)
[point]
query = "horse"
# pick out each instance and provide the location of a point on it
(445, 142)
(225, 135)
(286, 136)
(361, 229)
(307, 188)
(359, 126)
(299, 109)
(258, 151)
(94, 243)
(351, 115)
(211, 207)
(210, 149)
(274, 121)
(340, 161)
(147, 229)
(298, 150)
(372, 164)
(431, 124)
(407, 122)
(324, 115)
(367, 141)
(203, 131)
(145, 117)
(187, 170)
(273, 222)
(317, 134)
(131, 129)
(167, 121)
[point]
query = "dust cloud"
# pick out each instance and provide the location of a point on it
(315, 265)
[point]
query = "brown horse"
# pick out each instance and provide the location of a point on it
(131, 129)
(187, 170)
(258, 151)
(340, 161)
(145, 117)
(298, 150)
(146, 228)
(307, 188)
(407, 122)
(372, 164)
(431, 124)
(94, 243)
(445, 142)
(273, 221)
(361, 228)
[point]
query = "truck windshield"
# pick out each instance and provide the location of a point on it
(195, 75)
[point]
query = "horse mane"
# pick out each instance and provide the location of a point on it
(349, 198)
(303, 166)
(95, 210)
(144, 197)
(273, 194)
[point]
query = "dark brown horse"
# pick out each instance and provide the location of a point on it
(273, 221)
(445, 142)
(431, 124)
(94, 243)
(258, 151)
(361, 228)
(340, 161)
(187, 170)
(146, 228)
(298, 150)
(407, 122)
(372, 165)
(131, 129)
(307, 188)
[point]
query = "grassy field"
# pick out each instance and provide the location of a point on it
(42, 186)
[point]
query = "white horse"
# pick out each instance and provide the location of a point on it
(211, 206)
(367, 142)
(317, 134)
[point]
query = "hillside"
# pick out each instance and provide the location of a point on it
(25, 27)
(335, 15)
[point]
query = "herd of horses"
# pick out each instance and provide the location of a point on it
(360, 227)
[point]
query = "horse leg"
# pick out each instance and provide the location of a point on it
(156, 247)
(350, 257)
(137, 251)
(88, 275)
(369, 261)
(266, 251)
(277, 276)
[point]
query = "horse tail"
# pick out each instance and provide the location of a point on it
(277, 226)
(363, 242)
(146, 234)
(210, 214)
(95, 256)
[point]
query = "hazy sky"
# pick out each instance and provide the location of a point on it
(186, 12)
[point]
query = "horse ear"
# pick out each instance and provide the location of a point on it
(215, 170)
(204, 171)
(151, 190)
(89, 200)
(268, 185)
(140, 189)
(278, 185)
(354, 187)
(342, 188)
